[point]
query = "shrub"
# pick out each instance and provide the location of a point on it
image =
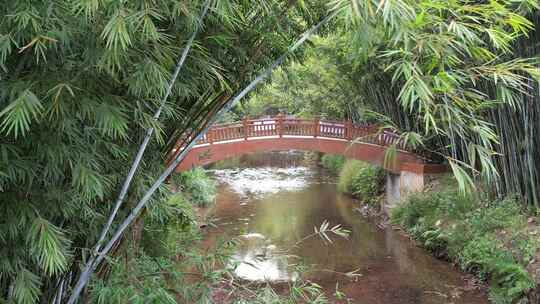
(368, 183)
(162, 231)
(346, 176)
(432, 207)
(197, 186)
(485, 256)
(499, 214)
(361, 180)
(334, 163)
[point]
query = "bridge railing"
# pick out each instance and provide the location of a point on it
(289, 126)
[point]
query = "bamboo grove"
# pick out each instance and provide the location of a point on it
(80, 81)
(459, 79)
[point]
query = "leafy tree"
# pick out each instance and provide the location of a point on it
(316, 85)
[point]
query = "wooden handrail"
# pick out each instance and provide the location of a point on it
(281, 126)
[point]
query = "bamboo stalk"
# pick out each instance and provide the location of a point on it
(142, 148)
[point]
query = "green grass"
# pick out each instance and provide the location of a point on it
(487, 238)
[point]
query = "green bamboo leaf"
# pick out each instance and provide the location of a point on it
(390, 157)
(88, 7)
(464, 180)
(56, 107)
(111, 121)
(116, 33)
(48, 245)
(26, 289)
(89, 183)
(17, 117)
(6, 45)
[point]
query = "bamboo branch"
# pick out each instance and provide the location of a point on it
(150, 131)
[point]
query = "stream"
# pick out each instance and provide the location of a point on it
(271, 201)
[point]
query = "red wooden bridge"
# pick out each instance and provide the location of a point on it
(280, 133)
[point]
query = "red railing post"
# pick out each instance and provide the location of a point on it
(317, 126)
(386, 138)
(279, 125)
(348, 130)
(373, 132)
(246, 126)
(210, 136)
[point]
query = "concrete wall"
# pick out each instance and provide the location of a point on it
(399, 186)
(393, 192)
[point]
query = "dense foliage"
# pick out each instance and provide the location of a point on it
(145, 270)
(80, 81)
(492, 239)
(316, 86)
(447, 73)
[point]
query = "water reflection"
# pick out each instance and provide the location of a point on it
(271, 208)
(257, 259)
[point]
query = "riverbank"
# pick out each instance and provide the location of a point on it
(493, 239)
(496, 241)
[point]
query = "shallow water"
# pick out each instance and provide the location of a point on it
(271, 201)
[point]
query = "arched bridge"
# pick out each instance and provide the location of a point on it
(362, 142)
(407, 172)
